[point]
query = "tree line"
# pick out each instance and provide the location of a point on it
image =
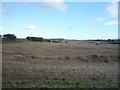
(13, 37)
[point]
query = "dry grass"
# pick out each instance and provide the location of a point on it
(28, 64)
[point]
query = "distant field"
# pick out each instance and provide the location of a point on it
(77, 64)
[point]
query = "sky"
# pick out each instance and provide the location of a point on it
(69, 20)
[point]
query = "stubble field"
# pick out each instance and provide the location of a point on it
(75, 64)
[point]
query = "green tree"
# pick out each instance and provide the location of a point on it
(109, 40)
(9, 37)
(0, 36)
(35, 39)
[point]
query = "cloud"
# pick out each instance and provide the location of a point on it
(31, 27)
(100, 19)
(113, 22)
(14, 28)
(57, 5)
(2, 28)
(112, 13)
(113, 9)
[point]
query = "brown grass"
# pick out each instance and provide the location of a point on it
(27, 64)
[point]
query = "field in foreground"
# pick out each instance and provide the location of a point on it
(79, 64)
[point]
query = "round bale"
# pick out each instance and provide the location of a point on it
(97, 43)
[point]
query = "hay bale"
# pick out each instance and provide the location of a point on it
(97, 43)
(66, 50)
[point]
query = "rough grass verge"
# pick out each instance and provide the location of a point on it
(66, 84)
(79, 84)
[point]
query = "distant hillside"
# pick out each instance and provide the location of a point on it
(56, 39)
